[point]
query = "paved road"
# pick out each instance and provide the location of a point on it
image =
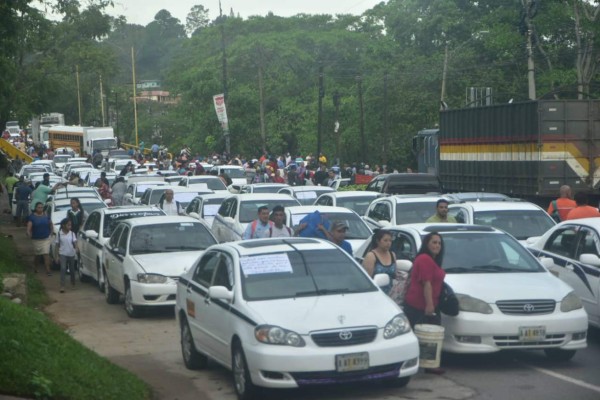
(149, 347)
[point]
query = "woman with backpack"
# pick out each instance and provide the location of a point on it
(76, 215)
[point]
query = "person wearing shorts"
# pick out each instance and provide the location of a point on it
(40, 229)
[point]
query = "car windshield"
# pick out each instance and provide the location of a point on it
(301, 274)
(140, 189)
(357, 227)
(184, 198)
(358, 204)
(170, 237)
(249, 209)
(234, 172)
(411, 213)
(104, 144)
(112, 220)
(522, 224)
(308, 197)
(212, 184)
(474, 252)
(88, 207)
(265, 189)
(60, 159)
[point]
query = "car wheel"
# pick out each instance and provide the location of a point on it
(559, 355)
(99, 281)
(132, 310)
(111, 295)
(242, 382)
(191, 357)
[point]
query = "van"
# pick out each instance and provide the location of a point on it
(401, 183)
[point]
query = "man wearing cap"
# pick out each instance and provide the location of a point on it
(441, 212)
(337, 235)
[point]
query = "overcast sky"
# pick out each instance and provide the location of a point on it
(142, 12)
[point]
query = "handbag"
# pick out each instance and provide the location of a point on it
(448, 303)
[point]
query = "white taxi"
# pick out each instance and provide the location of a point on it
(286, 313)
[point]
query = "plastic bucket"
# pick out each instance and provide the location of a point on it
(430, 338)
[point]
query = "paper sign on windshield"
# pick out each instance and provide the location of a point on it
(266, 264)
(306, 195)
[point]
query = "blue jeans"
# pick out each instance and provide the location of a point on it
(22, 210)
(67, 262)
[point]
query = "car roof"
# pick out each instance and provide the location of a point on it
(276, 245)
(320, 208)
(593, 222)
(411, 199)
(157, 183)
(310, 188)
(260, 196)
(122, 209)
(265, 184)
(192, 189)
(425, 228)
(498, 205)
(352, 193)
(208, 196)
(160, 219)
(82, 200)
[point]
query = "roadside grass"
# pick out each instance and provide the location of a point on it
(39, 360)
(10, 263)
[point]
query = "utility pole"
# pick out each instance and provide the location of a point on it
(102, 102)
(386, 132)
(336, 129)
(225, 93)
(529, 11)
(261, 109)
(363, 141)
(444, 73)
(320, 111)
(78, 93)
(135, 119)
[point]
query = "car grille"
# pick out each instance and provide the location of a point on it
(513, 341)
(388, 371)
(526, 307)
(344, 337)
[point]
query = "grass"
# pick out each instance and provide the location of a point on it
(38, 359)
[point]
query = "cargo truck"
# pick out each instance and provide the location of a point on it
(83, 139)
(525, 150)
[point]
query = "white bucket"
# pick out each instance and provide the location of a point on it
(430, 338)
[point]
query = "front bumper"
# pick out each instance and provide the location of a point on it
(289, 367)
(153, 294)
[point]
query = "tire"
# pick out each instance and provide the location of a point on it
(131, 309)
(244, 388)
(99, 274)
(110, 294)
(559, 355)
(191, 357)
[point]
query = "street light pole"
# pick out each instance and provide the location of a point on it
(78, 93)
(134, 98)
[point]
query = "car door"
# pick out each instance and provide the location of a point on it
(221, 227)
(197, 302)
(588, 284)
(116, 260)
(87, 250)
(109, 252)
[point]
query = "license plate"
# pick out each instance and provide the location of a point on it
(352, 362)
(532, 333)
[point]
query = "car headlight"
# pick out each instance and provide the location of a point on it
(570, 302)
(472, 304)
(397, 326)
(270, 334)
(151, 278)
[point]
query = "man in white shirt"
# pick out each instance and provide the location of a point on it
(170, 206)
(279, 229)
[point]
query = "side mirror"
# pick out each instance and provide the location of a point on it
(91, 234)
(381, 280)
(403, 265)
(547, 262)
(590, 259)
(194, 215)
(531, 240)
(220, 293)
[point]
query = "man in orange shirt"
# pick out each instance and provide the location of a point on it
(563, 205)
(582, 210)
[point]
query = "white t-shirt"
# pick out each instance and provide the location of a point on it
(66, 247)
(280, 232)
(170, 208)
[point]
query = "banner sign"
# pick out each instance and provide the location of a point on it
(219, 100)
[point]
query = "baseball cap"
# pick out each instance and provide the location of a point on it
(338, 225)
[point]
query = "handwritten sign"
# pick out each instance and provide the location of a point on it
(266, 264)
(306, 195)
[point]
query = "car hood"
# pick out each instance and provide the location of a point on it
(306, 314)
(168, 264)
(509, 286)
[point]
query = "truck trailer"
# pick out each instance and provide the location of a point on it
(83, 139)
(525, 150)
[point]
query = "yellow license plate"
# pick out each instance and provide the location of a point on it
(532, 333)
(352, 362)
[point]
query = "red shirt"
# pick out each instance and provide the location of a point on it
(424, 270)
(583, 212)
(564, 206)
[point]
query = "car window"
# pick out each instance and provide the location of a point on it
(474, 252)
(112, 220)
(357, 204)
(114, 239)
(381, 212)
(170, 237)
(224, 274)
(225, 208)
(460, 214)
(562, 242)
(122, 244)
(93, 222)
(404, 247)
(206, 268)
(414, 212)
(323, 200)
(522, 224)
(588, 244)
(301, 273)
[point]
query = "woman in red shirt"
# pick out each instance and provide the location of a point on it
(426, 280)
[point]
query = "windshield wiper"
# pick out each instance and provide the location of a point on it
(182, 248)
(457, 270)
(320, 292)
(488, 268)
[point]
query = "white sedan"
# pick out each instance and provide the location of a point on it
(145, 256)
(573, 247)
(286, 313)
(507, 299)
